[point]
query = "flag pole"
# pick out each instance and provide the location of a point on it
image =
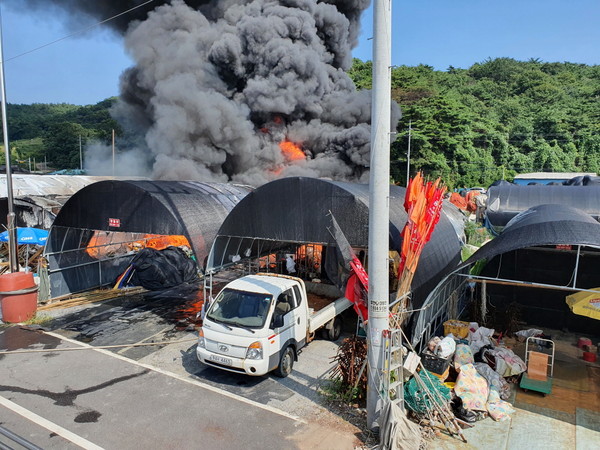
(10, 218)
(379, 211)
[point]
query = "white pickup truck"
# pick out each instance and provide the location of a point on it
(258, 323)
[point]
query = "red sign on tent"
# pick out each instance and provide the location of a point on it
(114, 223)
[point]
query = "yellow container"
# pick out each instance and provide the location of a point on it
(458, 328)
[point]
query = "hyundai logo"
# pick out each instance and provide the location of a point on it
(223, 348)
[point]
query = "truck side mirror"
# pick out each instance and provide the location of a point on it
(277, 321)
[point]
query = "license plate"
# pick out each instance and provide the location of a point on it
(221, 360)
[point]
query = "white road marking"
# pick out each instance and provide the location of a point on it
(179, 377)
(144, 340)
(50, 426)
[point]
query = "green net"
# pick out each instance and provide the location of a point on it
(419, 399)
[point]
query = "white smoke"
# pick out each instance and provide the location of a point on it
(98, 160)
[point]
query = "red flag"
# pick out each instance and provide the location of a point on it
(356, 287)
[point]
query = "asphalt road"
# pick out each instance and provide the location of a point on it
(157, 396)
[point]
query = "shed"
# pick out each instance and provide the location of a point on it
(293, 212)
(505, 201)
(549, 177)
(90, 242)
(543, 255)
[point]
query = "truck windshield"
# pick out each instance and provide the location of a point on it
(245, 309)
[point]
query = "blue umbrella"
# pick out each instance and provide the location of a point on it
(27, 235)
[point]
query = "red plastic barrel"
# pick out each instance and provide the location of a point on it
(583, 341)
(18, 296)
(589, 356)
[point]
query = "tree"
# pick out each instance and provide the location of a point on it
(61, 144)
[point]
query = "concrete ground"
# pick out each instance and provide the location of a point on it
(98, 399)
(166, 378)
(568, 418)
(172, 378)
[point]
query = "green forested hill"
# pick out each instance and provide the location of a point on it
(52, 131)
(501, 117)
(470, 126)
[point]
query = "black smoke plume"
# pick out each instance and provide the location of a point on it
(218, 86)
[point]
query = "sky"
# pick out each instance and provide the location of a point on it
(85, 69)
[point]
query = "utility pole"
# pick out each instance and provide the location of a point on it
(10, 218)
(113, 150)
(379, 208)
(29, 163)
(80, 155)
(408, 153)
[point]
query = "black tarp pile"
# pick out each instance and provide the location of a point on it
(160, 269)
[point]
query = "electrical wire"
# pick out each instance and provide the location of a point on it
(81, 31)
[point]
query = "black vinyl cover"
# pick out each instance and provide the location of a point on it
(505, 201)
(297, 210)
(527, 251)
(189, 208)
(192, 209)
(542, 225)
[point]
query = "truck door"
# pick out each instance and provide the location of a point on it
(284, 307)
(300, 316)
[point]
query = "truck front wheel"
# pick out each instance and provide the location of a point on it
(286, 363)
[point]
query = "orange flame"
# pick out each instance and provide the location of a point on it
(104, 243)
(159, 242)
(291, 151)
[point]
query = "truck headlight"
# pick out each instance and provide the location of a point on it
(201, 342)
(254, 351)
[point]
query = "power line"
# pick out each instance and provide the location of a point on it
(81, 31)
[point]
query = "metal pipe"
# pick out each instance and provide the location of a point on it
(379, 211)
(506, 282)
(576, 265)
(113, 152)
(408, 152)
(10, 219)
(18, 439)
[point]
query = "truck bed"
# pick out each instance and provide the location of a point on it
(318, 302)
(328, 311)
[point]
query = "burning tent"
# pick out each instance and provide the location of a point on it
(293, 215)
(100, 229)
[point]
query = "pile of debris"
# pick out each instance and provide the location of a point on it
(460, 378)
(29, 257)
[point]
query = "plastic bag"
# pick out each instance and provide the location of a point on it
(445, 348)
(524, 334)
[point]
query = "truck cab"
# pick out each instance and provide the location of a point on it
(258, 323)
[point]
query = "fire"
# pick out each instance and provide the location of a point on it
(291, 151)
(101, 244)
(159, 242)
(106, 244)
(309, 256)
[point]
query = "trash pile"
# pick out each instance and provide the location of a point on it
(30, 244)
(29, 257)
(462, 377)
